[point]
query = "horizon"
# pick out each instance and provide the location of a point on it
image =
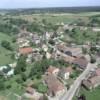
(49, 7)
(20, 4)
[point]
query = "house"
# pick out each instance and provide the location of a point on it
(6, 71)
(36, 39)
(66, 58)
(55, 55)
(52, 70)
(22, 42)
(95, 81)
(37, 56)
(2, 67)
(87, 84)
(48, 35)
(71, 51)
(76, 52)
(48, 55)
(96, 29)
(11, 72)
(55, 87)
(45, 47)
(13, 65)
(25, 51)
(65, 72)
(68, 27)
(81, 62)
(92, 82)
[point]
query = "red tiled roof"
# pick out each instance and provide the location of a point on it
(26, 50)
(54, 85)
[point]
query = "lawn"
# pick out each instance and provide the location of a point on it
(91, 95)
(5, 55)
(3, 36)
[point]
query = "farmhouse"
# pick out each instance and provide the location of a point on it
(55, 87)
(81, 62)
(71, 51)
(92, 82)
(25, 51)
(65, 72)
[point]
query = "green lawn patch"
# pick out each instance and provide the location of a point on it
(90, 95)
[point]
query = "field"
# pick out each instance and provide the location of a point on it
(58, 18)
(52, 18)
(5, 55)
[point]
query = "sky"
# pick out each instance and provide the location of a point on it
(46, 3)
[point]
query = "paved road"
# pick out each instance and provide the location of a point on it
(71, 92)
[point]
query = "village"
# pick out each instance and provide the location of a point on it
(56, 79)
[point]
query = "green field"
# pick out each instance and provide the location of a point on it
(58, 18)
(5, 55)
(53, 18)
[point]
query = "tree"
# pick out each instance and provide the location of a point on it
(14, 39)
(12, 56)
(74, 30)
(44, 21)
(67, 31)
(39, 68)
(19, 79)
(21, 65)
(42, 88)
(6, 45)
(93, 59)
(84, 50)
(51, 42)
(23, 76)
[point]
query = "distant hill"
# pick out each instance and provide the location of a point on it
(51, 10)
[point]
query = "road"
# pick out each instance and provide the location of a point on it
(68, 95)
